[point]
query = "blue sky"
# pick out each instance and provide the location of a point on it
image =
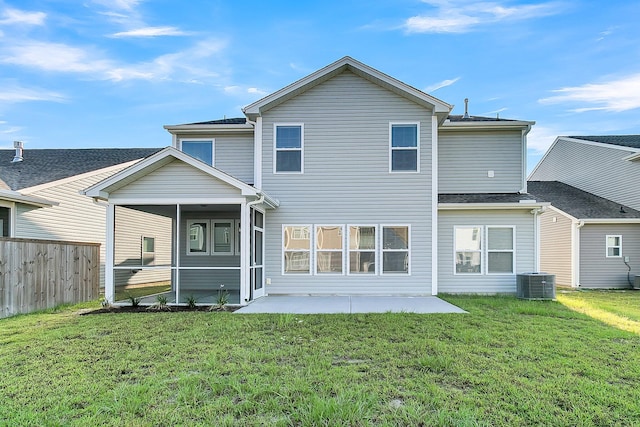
(111, 73)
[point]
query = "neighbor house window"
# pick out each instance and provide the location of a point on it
(362, 249)
(403, 141)
(223, 233)
(500, 250)
(329, 245)
(395, 249)
(289, 143)
(297, 249)
(201, 149)
(148, 254)
(468, 250)
(614, 246)
(198, 243)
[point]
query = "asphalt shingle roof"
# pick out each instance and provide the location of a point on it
(45, 165)
(485, 198)
(461, 118)
(577, 203)
(232, 121)
(632, 141)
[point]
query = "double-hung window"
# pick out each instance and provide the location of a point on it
(212, 237)
(288, 148)
(148, 249)
(395, 249)
(362, 249)
(201, 149)
(329, 253)
(614, 246)
(468, 247)
(404, 143)
(500, 250)
(297, 249)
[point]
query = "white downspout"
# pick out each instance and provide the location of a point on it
(536, 237)
(576, 252)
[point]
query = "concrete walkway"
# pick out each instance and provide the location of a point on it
(348, 304)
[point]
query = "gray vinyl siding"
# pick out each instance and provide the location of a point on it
(130, 226)
(76, 218)
(346, 181)
(596, 169)
(465, 157)
(598, 271)
(448, 282)
(233, 153)
(175, 180)
(556, 249)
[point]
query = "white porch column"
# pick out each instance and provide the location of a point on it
(109, 286)
(245, 233)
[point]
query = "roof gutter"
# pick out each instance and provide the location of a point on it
(486, 206)
(14, 196)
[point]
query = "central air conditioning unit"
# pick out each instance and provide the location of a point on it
(536, 286)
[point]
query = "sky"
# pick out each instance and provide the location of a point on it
(111, 73)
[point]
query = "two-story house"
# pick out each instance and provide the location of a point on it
(347, 181)
(590, 237)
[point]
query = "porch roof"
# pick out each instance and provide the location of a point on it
(103, 189)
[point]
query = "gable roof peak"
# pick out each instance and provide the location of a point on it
(440, 108)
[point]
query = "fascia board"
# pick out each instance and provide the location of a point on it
(610, 221)
(478, 125)
(174, 129)
(14, 196)
(486, 206)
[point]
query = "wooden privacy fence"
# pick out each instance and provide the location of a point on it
(39, 274)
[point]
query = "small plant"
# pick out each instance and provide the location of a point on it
(135, 301)
(221, 300)
(105, 303)
(191, 302)
(161, 304)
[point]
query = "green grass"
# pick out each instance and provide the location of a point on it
(123, 293)
(616, 308)
(507, 362)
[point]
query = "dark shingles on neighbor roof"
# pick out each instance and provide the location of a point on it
(45, 165)
(632, 141)
(461, 118)
(577, 203)
(232, 121)
(485, 198)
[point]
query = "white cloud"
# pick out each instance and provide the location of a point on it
(15, 16)
(126, 5)
(55, 57)
(10, 94)
(256, 90)
(440, 85)
(618, 95)
(462, 16)
(151, 32)
(540, 138)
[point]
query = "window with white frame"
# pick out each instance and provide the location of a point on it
(614, 246)
(201, 149)
(404, 147)
(329, 249)
(198, 237)
(468, 250)
(500, 250)
(395, 249)
(297, 249)
(288, 148)
(222, 242)
(148, 250)
(362, 249)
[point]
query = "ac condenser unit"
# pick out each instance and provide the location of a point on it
(540, 286)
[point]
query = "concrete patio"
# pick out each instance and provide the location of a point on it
(348, 304)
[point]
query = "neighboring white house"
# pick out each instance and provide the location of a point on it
(590, 237)
(41, 192)
(347, 181)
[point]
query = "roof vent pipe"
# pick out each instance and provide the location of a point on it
(466, 108)
(19, 146)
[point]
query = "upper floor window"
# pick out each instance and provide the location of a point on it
(289, 144)
(614, 246)
(404, 147)
(201, 149)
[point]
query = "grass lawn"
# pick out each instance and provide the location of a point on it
(507, 362)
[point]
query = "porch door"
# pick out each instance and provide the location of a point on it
(257, 254)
